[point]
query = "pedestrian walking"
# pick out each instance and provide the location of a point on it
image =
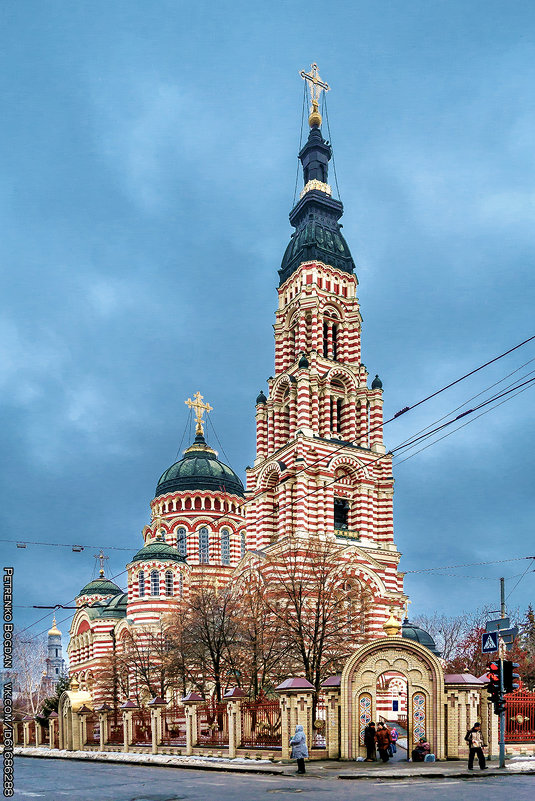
(394, 737)
(370, 741)
(383, 741)
(299, 748)
(474, 738)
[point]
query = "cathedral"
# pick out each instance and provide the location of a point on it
(321, 472)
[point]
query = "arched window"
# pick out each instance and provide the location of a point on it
(242, 544)
(325, 340)
(204, 547)
(335, 341)
(154, 582)
(169, 585)
(339, 415)
(181, 542)
(141, 585)
(225, 546)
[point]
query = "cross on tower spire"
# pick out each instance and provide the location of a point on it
(199, 408)
(316, 86)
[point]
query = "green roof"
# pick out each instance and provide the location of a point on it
(100, 586)
(109, 607)
(157, 549)
(413, 632)
(200, 469)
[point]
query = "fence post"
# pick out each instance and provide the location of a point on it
(128, 709)
(26, 730)
(52, 729)
(296, 708)
(234, 700)
(103, 724)
(331, 688)
(156, 706)
(190, 702)
(38, 733)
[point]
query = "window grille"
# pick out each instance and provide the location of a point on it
(181, 542)
(154, 582)
(169, 584)
(225, 547)
(141, 584)
(204, 546)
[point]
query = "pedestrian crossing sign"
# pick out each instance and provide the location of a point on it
(489, 642)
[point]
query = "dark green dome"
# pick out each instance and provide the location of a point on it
(377, 383)
(110, 607)
(317, 242)
(158, 549)
(101, 586)
(200, 469)
(413, 632)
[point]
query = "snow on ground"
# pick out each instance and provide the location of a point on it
(156, 759)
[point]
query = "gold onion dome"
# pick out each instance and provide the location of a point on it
(54, 631)
(392, 626)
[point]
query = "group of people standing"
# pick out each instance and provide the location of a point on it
(381, 738)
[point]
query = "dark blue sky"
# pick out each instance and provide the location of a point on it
(149, 158)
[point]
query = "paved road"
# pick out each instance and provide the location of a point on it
(54, 780)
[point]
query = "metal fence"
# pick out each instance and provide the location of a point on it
(174, 726)
(115, 731)
(92, 730)
(141, 728)
(319, 729)
(520, 717)
(212, 724)
(261, 724)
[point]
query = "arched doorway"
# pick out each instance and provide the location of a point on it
(369, 682)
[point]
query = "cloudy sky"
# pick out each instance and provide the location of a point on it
(149, 163)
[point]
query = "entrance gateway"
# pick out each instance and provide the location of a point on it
(360, 693)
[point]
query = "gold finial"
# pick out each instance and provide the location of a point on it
(200, 408)
(75, 684)
(54, 630)
(407, 602)
(316, 86)
(392, 625)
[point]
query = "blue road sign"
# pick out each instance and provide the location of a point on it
(489, 642)
(498, 624)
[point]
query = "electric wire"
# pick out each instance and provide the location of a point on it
(382, 456)
(530, 565)
(300, 139)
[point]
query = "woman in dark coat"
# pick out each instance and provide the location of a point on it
(369, 741)
(299, 748)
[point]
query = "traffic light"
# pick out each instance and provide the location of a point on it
(493, 687)
(508, 676)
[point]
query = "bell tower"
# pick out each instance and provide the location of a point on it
(321, 466)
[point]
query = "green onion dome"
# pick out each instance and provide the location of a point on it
(100, 586)
(413, 632)
(158, 549)
(109, 607)
(200, 469)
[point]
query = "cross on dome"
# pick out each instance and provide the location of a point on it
(101, 558)
(200, 408)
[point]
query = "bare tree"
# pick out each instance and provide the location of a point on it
(29, 664)
(320, 615)
(446, 631)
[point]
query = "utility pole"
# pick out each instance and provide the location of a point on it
(502, 655)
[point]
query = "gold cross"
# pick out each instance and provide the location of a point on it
(101, 559)
(407, 602)
(200, 408)
(315, 84)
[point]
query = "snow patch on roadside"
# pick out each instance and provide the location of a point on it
(144, 759)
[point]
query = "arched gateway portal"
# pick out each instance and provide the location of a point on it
(424, 678)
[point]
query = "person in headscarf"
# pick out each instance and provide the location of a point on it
(383, 741)
(422, 749)
(299, 748)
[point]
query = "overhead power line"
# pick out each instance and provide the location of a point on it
(343, 445)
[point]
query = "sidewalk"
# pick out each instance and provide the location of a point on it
(321, 769)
